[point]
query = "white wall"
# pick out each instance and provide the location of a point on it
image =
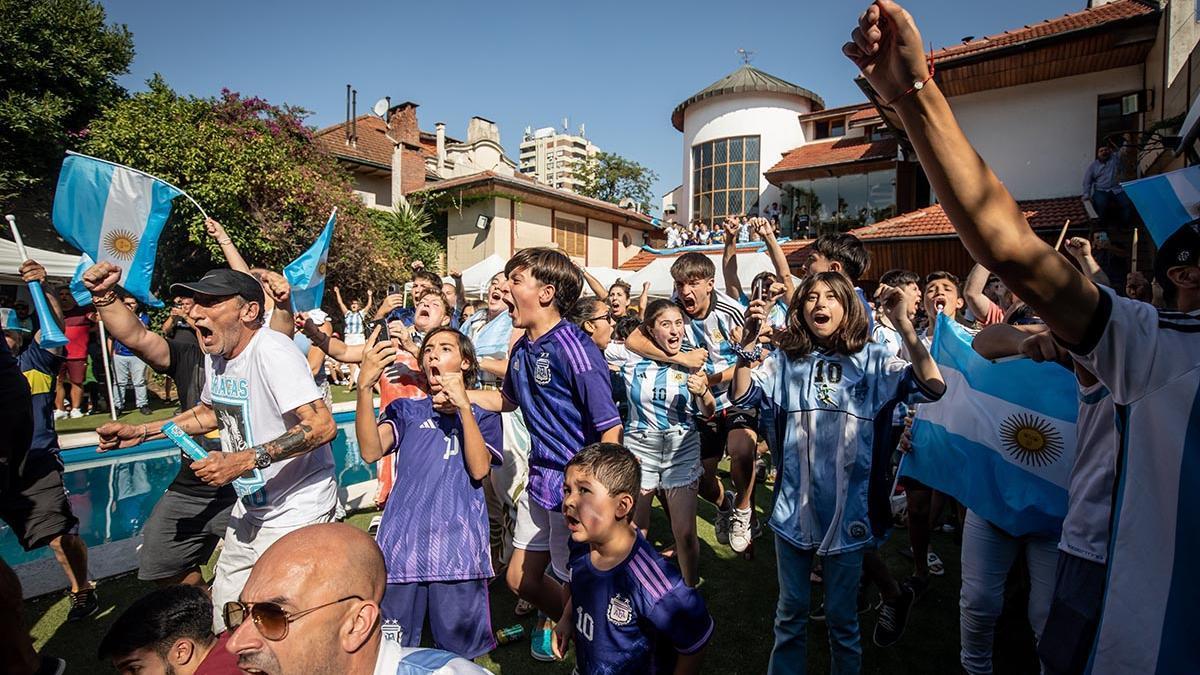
(1039, 138)
(772, 117)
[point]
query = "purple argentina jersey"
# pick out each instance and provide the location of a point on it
(561, 383)
(435, 525)
(635, 617)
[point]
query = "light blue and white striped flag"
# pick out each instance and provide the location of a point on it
(306, 274)
(1166, 202)
(114, 214)
(1001, 440)
(80, 292)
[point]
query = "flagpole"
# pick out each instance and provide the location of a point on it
(108, 374)
(130, 168)
(1062, 235)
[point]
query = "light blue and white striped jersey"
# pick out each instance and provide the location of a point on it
(1150, 362)
(658, 393)
(354, 323)
(890, 339)
(830, 410)
(490, 339)
(714, 332)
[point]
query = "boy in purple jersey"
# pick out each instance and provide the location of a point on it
(434, 532)
(559, 379)
(629, 610)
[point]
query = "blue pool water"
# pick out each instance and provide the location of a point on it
(113, 493)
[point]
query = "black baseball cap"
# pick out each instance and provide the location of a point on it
(1181, 249)
(223, 281)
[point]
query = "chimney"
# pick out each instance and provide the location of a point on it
(354, 118)
(441, 146)
(480, 129)
(347, 127)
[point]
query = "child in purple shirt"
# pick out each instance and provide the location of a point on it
(559, 379)
(434, 532)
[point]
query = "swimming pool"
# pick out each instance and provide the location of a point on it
(113, 493)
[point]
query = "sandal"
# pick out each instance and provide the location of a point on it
(936, 567)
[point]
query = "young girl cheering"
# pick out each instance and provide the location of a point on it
(434, 532)
(830, 389)
(661, 432)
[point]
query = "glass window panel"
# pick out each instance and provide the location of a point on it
(735, 149)
(695, 157)
(706, 206)
(881, 197)
(735, 176)
(837, 127)
(696, 182)
(719, 175)
(824, 202)
(852, 200)
(735, 203)
(718, 208)
(750, 201)
(706, 180)
(721, 155)
(751, 175)
(752, 148)
(695, 204)
(706, 154)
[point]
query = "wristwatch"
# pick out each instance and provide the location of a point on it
(262, 459)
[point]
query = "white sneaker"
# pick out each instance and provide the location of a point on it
(739, 530)
(721, 524)
(60, 414)
(76, 413)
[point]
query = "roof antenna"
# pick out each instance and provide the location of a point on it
(747, 56)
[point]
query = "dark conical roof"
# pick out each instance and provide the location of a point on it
(745, 79)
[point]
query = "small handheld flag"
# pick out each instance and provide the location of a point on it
(1166, 202)
(80, 292)
(1000, 446)
(114, 214)
(306, 274)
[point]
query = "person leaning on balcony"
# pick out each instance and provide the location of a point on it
(1102, 183)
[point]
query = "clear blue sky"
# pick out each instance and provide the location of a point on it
(619, 67)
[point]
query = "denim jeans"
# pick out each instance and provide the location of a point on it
(129, 370)
(988, 553)
(842, 573)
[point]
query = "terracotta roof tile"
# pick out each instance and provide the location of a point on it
(836, 151)
(932, 221)
(852, 109)
(867, 113)
(372, 146)
(1088, 18)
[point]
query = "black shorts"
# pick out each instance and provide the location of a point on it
(1074, 616)
(715, 430)
(35, 503)
(181, 534)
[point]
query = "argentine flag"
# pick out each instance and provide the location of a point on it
(1002, 438)
(114, 214)
(306, 274)
(80, 292)
(1166, 202)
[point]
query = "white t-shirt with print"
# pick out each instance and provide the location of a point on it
(252, 396)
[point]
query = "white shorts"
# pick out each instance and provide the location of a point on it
(541, 530)
(245, 541)
(355, 339)
(670, 459)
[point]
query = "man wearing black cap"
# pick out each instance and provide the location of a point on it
(272, 420)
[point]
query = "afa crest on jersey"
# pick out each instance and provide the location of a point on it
(541, 369)
(392, 630)
(677, 377)
(620, 611)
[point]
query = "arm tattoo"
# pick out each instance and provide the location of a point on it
(295, 441)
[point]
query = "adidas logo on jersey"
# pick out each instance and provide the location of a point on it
(428, 424)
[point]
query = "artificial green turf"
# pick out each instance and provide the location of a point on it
(740, 593)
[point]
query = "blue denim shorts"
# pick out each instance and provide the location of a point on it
(670, 459)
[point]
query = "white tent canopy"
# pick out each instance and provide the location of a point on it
(606, 276)
(658, 273)
(476, 277)
(58, 265)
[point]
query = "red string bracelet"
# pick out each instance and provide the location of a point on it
(919, 85)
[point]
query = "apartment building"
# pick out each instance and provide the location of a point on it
(553, 157)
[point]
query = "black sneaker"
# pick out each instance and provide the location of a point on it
(83, 605)
(51, 665)
(918, 585)
(145, 410)
(893, 617)
(864, 605)
(818, 613)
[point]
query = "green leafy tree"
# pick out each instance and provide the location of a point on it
(613, 178)
(408, 233)
(255, 168)
(58, 65)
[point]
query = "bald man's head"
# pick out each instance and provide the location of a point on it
(333, 566)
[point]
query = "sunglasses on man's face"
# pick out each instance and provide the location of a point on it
(270, 619)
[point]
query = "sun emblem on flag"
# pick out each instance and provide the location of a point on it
(120, 244)
(1031, 440)
(321, 268)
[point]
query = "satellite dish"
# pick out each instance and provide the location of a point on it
(380, 108)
